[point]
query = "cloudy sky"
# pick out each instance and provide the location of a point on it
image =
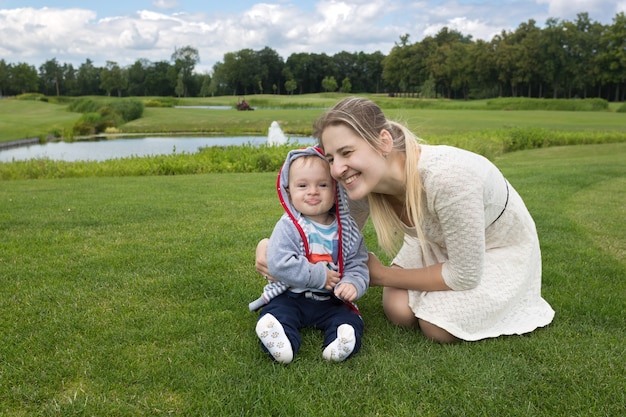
(123, 31)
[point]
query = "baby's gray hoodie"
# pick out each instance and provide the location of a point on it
(288, 238)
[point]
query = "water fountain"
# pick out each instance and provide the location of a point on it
(275, 135)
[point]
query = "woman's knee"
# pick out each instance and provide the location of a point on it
(436, 333)
(396, 307)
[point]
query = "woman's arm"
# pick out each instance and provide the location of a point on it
(260, 262)
(421, 279)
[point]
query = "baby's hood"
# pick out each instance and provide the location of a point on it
(347, 227)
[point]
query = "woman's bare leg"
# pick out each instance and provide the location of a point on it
(436, 333)
(396, 307)
(397, 310)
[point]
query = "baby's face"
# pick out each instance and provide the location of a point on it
(311, 188)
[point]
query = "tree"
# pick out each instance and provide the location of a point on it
(585, 51)
(329, 84)
(483, 76)
(554, 55)
(206, 89)
(396, 67)
(429, 88)
(527, 67)
(24, 78)
(185, 60)
(137, 73)
(369, 71)
(4, 77)
(180, 85)
(49, 76)
(269, 68)
(237, 74)
(446, 49)
(308, 70)
(113, 78)
(613, 57)
(70, 83)
(505, 55)
(344, 65)
(158, 81)
(88, 79)
(459, 68)
(405, 68)
(346, 85)
(290, 86)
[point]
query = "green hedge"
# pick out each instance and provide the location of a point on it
(522, 103)
(100, 115)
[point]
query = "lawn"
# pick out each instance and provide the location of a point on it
(128, 296)
(27, 118)
(21, 119)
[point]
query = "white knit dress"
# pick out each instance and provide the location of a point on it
(491, 257)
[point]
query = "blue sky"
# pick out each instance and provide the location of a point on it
(123, 31)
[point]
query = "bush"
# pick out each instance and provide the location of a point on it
(87, 124)
(84, 105)
(523, 103)
(128, 109)
(101, 115)
(518, 139)
(160, 102)
(621, 109)
(32, 96)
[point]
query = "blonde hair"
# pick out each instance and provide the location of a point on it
(367, 120)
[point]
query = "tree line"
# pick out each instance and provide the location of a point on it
(566, 59)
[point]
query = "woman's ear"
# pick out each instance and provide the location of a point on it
(386, 141)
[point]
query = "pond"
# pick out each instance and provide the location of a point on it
(101, 150)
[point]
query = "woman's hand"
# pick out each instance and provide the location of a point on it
(260, 262)
(377, 270)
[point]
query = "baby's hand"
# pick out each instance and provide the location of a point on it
(332, 278)
(346, 292)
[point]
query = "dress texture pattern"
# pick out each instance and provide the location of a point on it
(476, 223)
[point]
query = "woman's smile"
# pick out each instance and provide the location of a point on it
(351, 179)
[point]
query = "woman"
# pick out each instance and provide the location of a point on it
(468, 263)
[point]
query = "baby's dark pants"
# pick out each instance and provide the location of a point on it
(297, 310)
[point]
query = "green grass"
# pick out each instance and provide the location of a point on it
(20, 119)
(431, 119)
(128, 296)
(427, 123)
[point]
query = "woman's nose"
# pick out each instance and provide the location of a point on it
(337, 169)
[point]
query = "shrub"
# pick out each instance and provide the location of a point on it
(32, 96)
(128, 109)
(84, 105)
(99, 116)
(524, 138)
(87, 124)
(621, 109)
(160, 102)
(524, 103)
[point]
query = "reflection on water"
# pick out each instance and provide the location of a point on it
(123, 148)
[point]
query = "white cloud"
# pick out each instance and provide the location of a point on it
(28, 31)
(72, 35)
(477, 28)
(165, 4)
(597, 9)
(137, 37)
